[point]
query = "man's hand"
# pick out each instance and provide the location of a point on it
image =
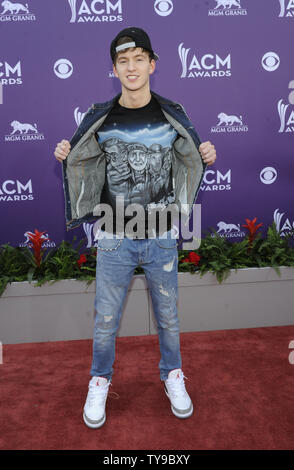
(62, 150)
(208, 153)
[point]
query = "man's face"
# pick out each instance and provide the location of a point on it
(133, 68)
(112, 153)
(137, 159)
(155, 162)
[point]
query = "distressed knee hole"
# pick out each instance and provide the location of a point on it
(108, 318)
(163, 291)
(169, 266)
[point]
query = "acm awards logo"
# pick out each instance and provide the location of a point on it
(207, 65)
(286, 111)
(15, 11)
(229, 124)
(227, 8)
(16, 191)
(10, 74)
(286, 8)
(89, 232)
(283, 225)
(93, 11)
(215, 180)
(79, 116)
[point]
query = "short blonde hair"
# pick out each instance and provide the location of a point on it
(125, 40)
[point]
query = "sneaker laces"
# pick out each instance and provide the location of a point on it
(97, 393)
(176, 385)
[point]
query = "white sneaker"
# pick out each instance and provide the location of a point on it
(94, 410)
(181, 404)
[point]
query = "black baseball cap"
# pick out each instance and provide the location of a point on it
(139, 39)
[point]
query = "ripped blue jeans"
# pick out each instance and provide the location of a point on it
(117, 259)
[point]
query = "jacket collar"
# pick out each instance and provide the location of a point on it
(113, 101)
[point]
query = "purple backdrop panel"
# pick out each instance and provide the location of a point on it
(227, 61)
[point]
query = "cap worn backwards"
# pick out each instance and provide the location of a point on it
(139, 39)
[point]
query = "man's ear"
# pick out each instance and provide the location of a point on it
(114, 70)
(152, 66)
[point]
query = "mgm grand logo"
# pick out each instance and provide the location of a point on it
(15, 11)
(23, 132)
(227, 8)
(228, 230)
(229, 123)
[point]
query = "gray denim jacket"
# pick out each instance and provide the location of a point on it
(84, 168)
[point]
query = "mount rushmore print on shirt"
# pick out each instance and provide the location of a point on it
(138, 156)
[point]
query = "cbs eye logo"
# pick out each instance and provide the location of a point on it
(163, 7)
(268, 175)
(63, 68)
(270, 61)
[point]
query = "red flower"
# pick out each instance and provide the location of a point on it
(37, 240)
(252, 228)
(192, 258)
(82, 260)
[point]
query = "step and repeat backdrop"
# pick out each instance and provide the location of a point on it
(230, 63)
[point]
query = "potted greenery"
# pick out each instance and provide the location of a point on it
(216, 271)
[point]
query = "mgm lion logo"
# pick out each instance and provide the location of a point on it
(229, 120)
(222, 226)
(23, 128)
(13, 8)
(227, 4)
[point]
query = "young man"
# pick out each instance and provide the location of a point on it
(141, 148)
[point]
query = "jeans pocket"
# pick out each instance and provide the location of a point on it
(109, 244)
(170, 243)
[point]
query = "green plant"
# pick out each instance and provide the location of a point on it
(62, 262)
(216, 254)
(219, 256)
(273, 250)
(15, 264)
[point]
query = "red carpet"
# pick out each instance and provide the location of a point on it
(241, 383)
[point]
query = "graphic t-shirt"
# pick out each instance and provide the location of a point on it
(137, 143)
